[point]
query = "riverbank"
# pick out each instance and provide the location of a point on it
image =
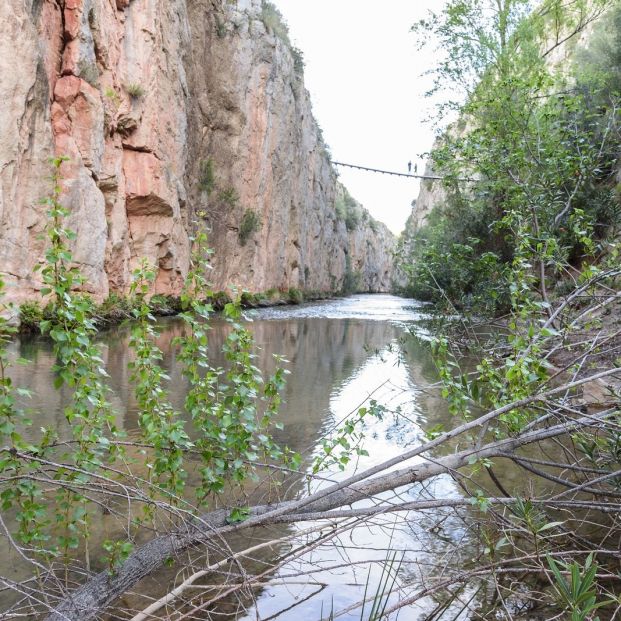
(115, 309)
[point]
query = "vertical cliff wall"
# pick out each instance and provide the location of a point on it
(253, 126)
(170, 111)
(430, 195)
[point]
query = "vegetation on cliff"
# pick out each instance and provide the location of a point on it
(533, 157)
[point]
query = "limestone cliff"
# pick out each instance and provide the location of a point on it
(369, 253)
(430, 194)
(170, 111)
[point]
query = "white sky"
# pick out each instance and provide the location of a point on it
(364, 75)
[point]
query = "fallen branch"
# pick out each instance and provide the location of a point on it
(98, 593)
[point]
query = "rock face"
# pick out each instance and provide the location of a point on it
(431, 194)
(171, 112)
(371, 247)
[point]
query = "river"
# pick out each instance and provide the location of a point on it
(340, 353)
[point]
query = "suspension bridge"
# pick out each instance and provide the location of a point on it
(387, 172)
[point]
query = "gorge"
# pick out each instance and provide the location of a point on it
(451, 452)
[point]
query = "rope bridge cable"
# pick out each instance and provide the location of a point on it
(397, 174)
(388, 172)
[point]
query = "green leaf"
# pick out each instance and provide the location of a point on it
(237, 515)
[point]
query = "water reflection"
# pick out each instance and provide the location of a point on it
(340, 354)
(339, 571)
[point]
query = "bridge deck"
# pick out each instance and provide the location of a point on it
(387, 172)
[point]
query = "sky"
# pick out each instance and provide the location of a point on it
(364, 74)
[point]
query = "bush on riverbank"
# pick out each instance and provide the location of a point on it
(530, 201)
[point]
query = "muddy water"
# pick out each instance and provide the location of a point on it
(340, 354)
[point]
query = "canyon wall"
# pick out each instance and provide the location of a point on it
(171, 112)
(254, 127)
(430, 194)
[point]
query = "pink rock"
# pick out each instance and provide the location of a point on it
(67, 89)
(60, 121)
(71, 58)
(146, 189)
(72, 23)
(51, 37)
(86, 116)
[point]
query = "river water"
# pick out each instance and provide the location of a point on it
(340, 354)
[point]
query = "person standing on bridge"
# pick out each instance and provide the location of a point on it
(410, 166)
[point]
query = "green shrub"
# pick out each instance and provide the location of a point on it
(229, 196)
(456, 274)
(250, 300)
(164, 305)
(113, 96)
(250, 223)
(352, 280)
(219, 299)
(274, 22)
(348, 210)
(352, 220)
(599, 63)
(207, 176)
(323, 145)
(298, 60)
(115, 308)
(30, 316)
(272, 295)
(134, 90)
(339, 208)
(220, 28)
(295, 296)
